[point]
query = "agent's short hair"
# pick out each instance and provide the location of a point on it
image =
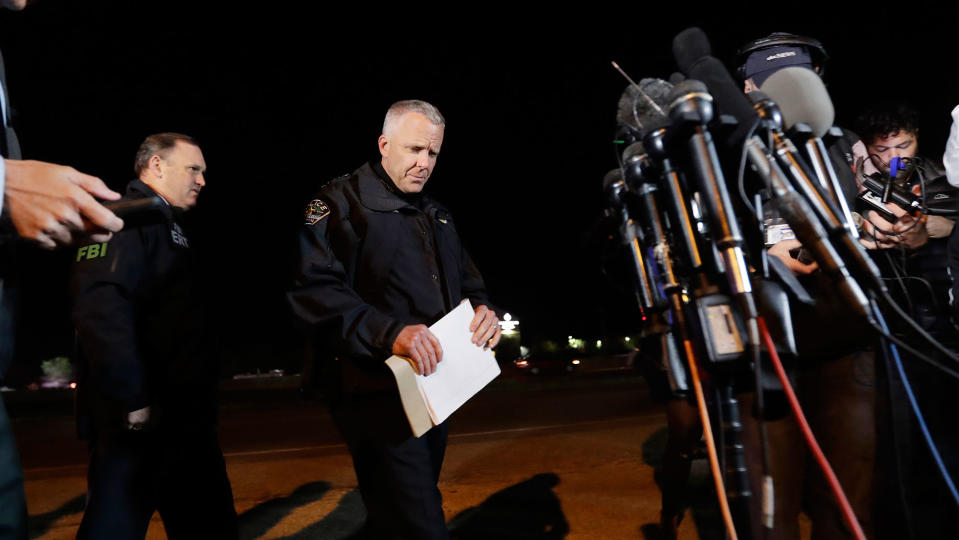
(398, 109)
(158, 144)
(885, 119)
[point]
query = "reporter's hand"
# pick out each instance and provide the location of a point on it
(417, 343)
(781, 250)
(485, 327)
(53, 205)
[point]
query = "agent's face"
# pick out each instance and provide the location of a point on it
(901, 144)
(410, 150)
(182, 174)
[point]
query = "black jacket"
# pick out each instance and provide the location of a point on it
(9, 148)
(373, 261)
(141, 332)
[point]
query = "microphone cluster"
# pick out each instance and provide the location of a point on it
(706, 169)
(705, 159)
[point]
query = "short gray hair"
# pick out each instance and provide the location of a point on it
(158, 144)
(398, 109)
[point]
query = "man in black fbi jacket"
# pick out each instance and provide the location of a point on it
(147, 379)
(380, 261)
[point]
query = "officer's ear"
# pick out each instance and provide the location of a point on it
(383, 142)
(155, 165)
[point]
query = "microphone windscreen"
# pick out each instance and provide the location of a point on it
(626, 108)
(688, 86)
(728, 97)
(643, 107)
(757, 95)
(802, 97)
(689, 46)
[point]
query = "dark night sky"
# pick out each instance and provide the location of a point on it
(286, 98)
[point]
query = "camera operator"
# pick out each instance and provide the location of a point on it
(915, 254)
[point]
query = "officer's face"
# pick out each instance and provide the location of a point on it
(901, 144)
(182, 171)
(410, 150)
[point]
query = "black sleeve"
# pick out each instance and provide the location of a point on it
(472, 283)
(323, 298)
(106, 280)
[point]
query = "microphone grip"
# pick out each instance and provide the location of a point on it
(796, 211)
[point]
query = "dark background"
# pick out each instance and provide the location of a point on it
(284, 97)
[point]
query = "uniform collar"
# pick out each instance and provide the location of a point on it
(375, 194)
(138, 189)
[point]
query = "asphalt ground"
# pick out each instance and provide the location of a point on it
(529, 457)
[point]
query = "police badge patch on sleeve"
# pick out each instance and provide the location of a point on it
(316, 211)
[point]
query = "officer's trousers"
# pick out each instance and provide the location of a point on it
(179, 473)
(397, 473)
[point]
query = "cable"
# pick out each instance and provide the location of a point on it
(846, 509)
(898, 279)
(741, 183)
(896, 435)
(927, 437)
(767, 491)
(710, 443)
(914, 352)
(919, 329)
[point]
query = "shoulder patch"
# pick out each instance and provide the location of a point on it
(315, 211)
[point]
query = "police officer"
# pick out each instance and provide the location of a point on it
(380, 262)
(147, 380)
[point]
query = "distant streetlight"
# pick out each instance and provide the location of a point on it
(508, 325)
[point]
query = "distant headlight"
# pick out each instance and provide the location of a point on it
(575, 362)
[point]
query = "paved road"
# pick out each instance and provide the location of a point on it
(527, 455)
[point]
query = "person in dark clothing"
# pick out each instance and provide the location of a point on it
(380, 261)
(147, 378)
(835, 374)
(49, 205)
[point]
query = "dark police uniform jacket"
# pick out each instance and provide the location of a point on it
(141, 333)
(374, 260)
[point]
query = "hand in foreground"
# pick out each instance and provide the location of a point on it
(417, 343)
(485, 327)
(781, 251)
(53, 205)
(138, 418)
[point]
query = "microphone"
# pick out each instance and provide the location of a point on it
(808, 230)
(691, 109)
(788, 157)
(635, 166)
(691, 43)
(642, 105)
(807, 110)
(617, 192)
(693, 56)
(838, 222)
(802, 97)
